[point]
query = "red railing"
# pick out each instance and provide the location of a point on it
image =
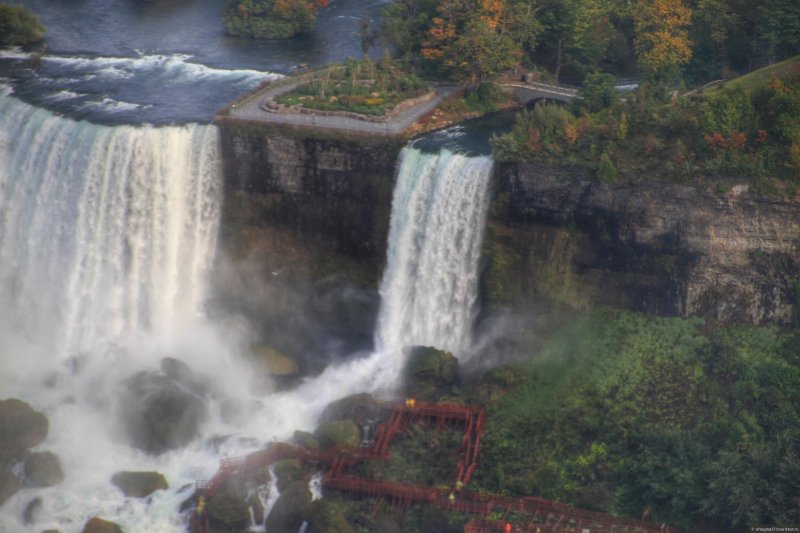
(530, 514)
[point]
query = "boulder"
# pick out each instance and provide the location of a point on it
(9, 484)
(43, 469)
(325, 516)
(228, 512)
(288, 472)
(98, 525)
(290, 510)
(159, 415)
(357, 407)
(273, 362)
(305, 439)
(139, 484)
(430, 373)
(181, 373)
(342, 433)
(21, 427)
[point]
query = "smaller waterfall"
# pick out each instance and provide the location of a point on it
(429, 287)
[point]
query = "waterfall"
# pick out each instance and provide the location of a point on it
(108, 231)
(103, 230)
(429, 286)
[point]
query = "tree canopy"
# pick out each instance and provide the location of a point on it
(19, 26)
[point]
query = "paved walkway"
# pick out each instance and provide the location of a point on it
(250, 109)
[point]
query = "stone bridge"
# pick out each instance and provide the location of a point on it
(529, 92)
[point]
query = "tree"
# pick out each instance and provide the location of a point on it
(598, 92)
(662, 37)
(19, 26)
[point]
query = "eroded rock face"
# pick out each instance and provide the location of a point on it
(655, 247)
(139, 484)
(159, 414)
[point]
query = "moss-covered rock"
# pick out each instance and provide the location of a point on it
(98, 525)
(228, 513)
(430, 373)
(327, 517)
(305, 439)
(139, 484)
(21, 427)
(357, 407)
(291, 509)
(43, 469)
(159, 414)
(19, 26)
(288, 472)
(343, 433)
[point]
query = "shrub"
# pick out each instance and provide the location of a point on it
(606, 170)
(18, 26)
(598, 92)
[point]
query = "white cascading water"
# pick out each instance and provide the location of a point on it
(429, 287)
(106, 239)
(103, 230)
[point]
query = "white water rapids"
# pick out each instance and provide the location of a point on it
(107, 238)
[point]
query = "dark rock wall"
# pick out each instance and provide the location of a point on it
(653, 247)
(313, 208)
(332, 195)
(303, 236)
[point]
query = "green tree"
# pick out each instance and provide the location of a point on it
(598, 92)
(18, 26)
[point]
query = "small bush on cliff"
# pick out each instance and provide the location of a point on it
(18, 26)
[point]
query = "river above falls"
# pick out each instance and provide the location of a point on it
(164, 62)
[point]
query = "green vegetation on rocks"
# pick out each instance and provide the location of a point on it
(327, 517)
(18, 26)
(229, 513)
(746, 129)
(621, 412)
(269, 19)
(361, 87)
(430, 374)
(342, 433)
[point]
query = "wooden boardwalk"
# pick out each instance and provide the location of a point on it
(528, 514)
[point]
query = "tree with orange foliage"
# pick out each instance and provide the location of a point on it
(662, 35)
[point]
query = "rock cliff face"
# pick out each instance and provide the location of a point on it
(653, 247)
(303, 209)
(332, 192)
(305, 221)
